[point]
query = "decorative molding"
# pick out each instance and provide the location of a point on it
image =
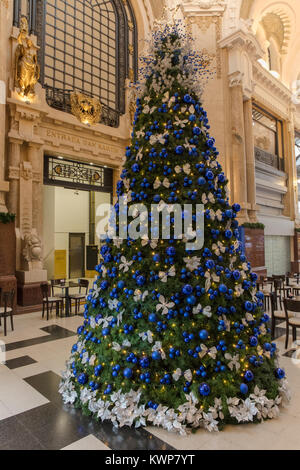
(13, 173)
(235, 79)
(26, 171)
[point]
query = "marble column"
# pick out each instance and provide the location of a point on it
(13, 199)
(250, 161)
(239, 185)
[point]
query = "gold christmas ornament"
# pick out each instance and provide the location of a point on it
(27, 67)
(86, 109)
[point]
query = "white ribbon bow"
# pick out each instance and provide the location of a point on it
(139, 296)
(157, 183)
(164, 276)
(125, 265)
(177, 374)
(211, 352)
(164, 305)
(234, 361)
(147, 336)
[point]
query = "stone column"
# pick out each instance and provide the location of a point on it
(4, 186)
(239, 186)
(250, 161)
(35, 158)
(14, 161)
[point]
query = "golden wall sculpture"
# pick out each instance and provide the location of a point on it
(87, 110)
(27, 67)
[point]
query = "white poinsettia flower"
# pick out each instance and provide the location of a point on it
(125, 265)
(164, 305)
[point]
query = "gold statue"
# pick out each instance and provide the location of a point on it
(87, 110)
(27, 67)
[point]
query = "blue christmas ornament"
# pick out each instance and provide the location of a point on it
(201, 181)
(244, 389)
(249, 376)
(128, 373)
(204, 390)
(253, 341)
(280, 373)
(156, 356)
(179, 150)
(187, 289)
(187, 99)
(203, 334)
(191, 300)
(82, 379)
(196, 131)
(248, 306)
(141, 280)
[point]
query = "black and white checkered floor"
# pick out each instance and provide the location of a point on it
(32, 415)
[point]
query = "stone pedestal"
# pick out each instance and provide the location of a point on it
(8, 280)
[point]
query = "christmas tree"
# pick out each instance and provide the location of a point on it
(172, 336)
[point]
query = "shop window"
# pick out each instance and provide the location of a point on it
(268, 138)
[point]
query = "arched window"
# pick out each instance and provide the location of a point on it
(88, 46)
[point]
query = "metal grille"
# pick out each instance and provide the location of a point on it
(86, 46)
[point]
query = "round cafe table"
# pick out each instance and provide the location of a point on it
(65, 288)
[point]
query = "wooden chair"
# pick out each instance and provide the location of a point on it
(276, 312)
(83, 291)
(7, 310)
(49, 302)
(291, 307)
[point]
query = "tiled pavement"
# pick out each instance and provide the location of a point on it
(32, 415)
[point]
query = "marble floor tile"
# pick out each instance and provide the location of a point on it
(87, 443)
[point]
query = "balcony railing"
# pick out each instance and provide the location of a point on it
(61, 100)
(268, 159)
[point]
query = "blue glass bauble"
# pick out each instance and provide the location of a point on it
(210, 142)
(192, 118)
(104, 285)
(228, 234)
(201, 181)
(187, 289)
(152, 318)
(80, 330)
(82, 379)
(203, 334)
(141, 280)
(121, 285)
(249, 376)
(156, 258)
(196, 131)
(187, 99)
(222, 288)
(128, 373)
(244, 389)
(191, 300)
(253, 341)
(204, 390)
(135, 168)
(267, 347)
(157, 198)
(179, 150)
(105, 331)
(209, 175)
(248, 306)
(236, 207)
(280, 373)
(171, 251)
(236, 274)
(156, 356)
